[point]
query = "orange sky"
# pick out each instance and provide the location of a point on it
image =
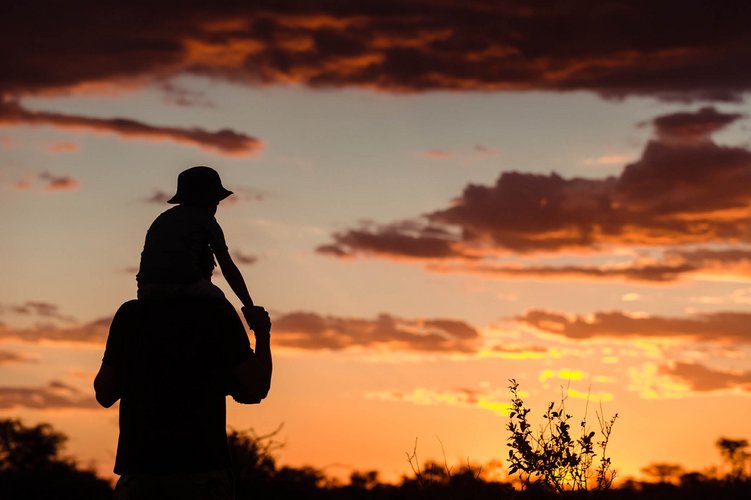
(420, 228)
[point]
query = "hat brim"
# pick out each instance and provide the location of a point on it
(219, 196)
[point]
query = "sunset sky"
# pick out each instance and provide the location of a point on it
(431, 198)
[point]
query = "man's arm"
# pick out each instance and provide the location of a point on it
(107, 385)
(234, 277)
(107, 381)
(251, 380)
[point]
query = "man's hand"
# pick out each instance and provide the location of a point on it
(258, 320)
(251, 380)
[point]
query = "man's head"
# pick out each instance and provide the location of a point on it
(199, 186)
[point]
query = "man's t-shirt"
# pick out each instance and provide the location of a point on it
(180, 245)
(173, 359)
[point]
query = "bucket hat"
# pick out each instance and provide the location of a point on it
(199, 184)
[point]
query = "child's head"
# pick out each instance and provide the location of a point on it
(200, 186)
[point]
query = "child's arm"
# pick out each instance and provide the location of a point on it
(233, 276)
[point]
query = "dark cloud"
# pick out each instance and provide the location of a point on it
(224, 141)
(53, 396)
(719, 327)
(405, 239)
(311, 331)
(693, 127)
(687, 192)
(675, 50)
(701, 378)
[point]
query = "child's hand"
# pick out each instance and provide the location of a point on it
(258, 320)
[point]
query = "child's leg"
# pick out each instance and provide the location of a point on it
(201, 288)
(153, 291)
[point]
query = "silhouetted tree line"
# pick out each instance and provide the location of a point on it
(32, 467)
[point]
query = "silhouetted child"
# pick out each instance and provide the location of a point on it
(178, 254)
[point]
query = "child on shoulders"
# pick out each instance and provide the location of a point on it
(178, 254)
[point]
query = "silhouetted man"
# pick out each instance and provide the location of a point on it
(171, 364)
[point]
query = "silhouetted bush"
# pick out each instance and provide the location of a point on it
(551, 455)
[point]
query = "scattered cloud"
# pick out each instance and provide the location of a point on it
(700, 378)
(25, 184)
(49, 182)
(245, 194)
(682, 379)
(63, 147)
(241, 194)
(311, 331)
(37, 308)
(562, 374)
(487, 150)
(437, 154)
(177, 95)
(397, 47)
(53, 396)
(611, 159)
(243, 258)
(225, 141)
(159, 197)
(58, 183)
(491, 400)
(93, 332)
(631, 297)
(514, 351)
(7, 357)
(717, 327)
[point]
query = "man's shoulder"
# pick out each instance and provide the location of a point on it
(128, 308)
(179, 313)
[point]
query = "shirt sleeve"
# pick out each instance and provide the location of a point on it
(122, 323)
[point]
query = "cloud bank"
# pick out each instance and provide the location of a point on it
(312, 331)
(718, 327)
(93, 332)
